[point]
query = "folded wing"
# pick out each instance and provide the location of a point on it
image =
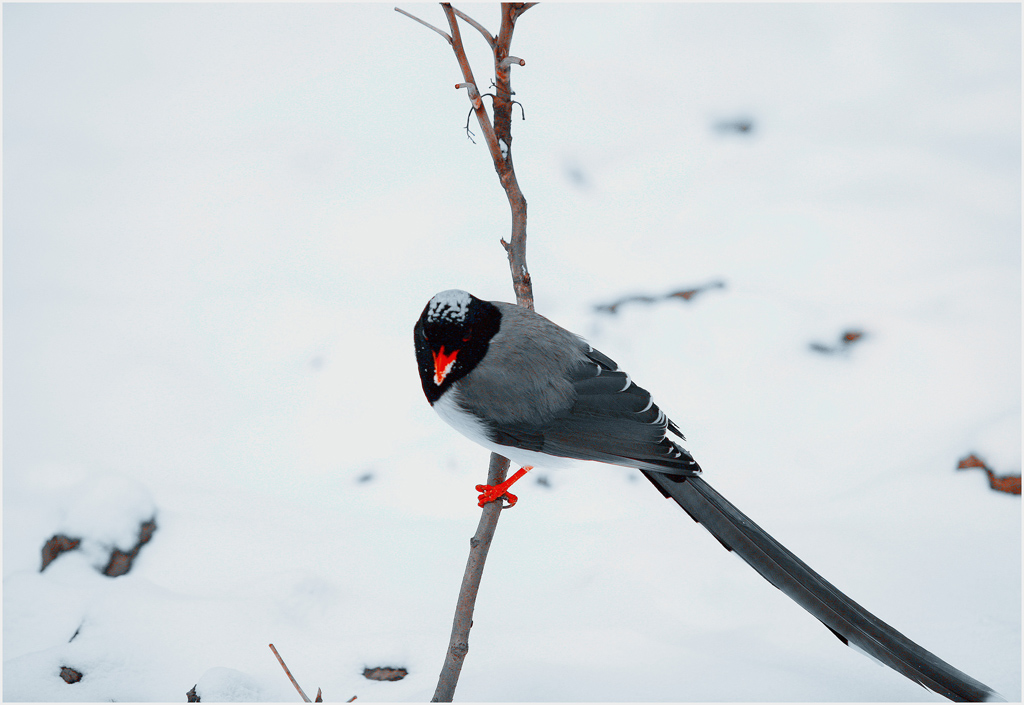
(611, 420)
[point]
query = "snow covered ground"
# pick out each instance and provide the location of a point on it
(221, 222)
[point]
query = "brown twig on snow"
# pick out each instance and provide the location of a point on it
(846, 339)
(291, 677)
(1000, 483)
(56, 546)
(498, 138)
(684, 294)
(121, 561)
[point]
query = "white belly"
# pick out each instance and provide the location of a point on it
(471, 427)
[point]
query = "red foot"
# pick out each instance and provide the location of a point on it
(489, 493)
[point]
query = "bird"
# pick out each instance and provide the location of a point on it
(527, 389)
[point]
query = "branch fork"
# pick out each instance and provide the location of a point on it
(474, 94)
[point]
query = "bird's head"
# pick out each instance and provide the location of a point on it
(451, 337)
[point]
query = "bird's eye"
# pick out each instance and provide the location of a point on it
(469, 334)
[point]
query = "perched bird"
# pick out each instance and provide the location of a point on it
(531, 391)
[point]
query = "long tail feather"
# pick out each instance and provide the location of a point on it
(844, 617)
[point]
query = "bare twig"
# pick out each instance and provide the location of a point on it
(469, 132)
(491, 40)
(516, 250)
(290, 676)
(473, 93)
(458, 645)
(467, 73)
(425, 24)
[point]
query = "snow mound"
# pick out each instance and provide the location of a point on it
(226, 685)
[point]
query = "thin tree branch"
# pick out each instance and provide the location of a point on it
(502, 106)
(491, 40)
(520, 8)
(425, 24)
(458, 645)
(467, 73)
(474, 94)
(290, 676)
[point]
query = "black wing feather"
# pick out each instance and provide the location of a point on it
(845, 618)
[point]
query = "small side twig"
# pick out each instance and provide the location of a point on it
(467, 74)
(491, 39)
(292, 678)
(472, 92)
(469, 132)
(425, 24)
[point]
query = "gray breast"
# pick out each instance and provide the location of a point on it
(525, 376)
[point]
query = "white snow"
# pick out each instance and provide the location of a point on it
(226, 685)
(105, 512)
(222, 221)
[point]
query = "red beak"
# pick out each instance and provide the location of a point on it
(443, 364)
